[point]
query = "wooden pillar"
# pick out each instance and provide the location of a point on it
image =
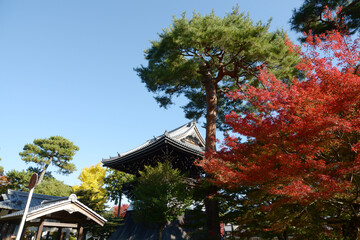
(80, 232)
(40, 229)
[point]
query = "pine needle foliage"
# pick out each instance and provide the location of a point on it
(55, 150)
(161, 195)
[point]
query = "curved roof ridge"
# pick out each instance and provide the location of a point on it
(188, 127)
(176, 134)
(185, 129)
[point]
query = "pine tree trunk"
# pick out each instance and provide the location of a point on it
(211, 107)
(42, 174)
(211, 204)
(119, 208)
(212, 214)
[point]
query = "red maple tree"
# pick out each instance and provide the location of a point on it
(123, 209)
(303, 140)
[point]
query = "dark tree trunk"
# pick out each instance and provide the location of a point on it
(351, 230)
(212, 214)
(160, 231)
(119, 208)
(211, 203)
(211, 107)
(283, 236)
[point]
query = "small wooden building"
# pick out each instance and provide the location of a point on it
(56, 212)
(14, 200)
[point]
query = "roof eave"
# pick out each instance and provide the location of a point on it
(163, 140)
(36, 213)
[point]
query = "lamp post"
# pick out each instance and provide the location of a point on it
(32, 184)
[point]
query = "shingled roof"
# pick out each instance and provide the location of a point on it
(47, 207)
(184, 144)
(16, 200)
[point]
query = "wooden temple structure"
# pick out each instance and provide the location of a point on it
(181, 146)
(52, 212)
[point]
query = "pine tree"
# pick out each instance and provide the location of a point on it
(56, 150)
(205, 57)
(161, 195)
(310, 16)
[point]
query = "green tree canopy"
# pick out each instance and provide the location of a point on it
(3, 180)
(1, 169)
(224, 52)
(310, 16)
(19, 180)
(161, 195)
(114, 182)
(54, 187)
(55, 150)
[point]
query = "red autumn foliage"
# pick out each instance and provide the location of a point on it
(4, 181)
(123, 209)
(303, 140)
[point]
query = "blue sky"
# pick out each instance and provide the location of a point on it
(66, 68)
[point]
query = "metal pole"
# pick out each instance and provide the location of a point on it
(32, 184)
(25, 213)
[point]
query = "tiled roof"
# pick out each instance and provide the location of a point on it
(16, 200)
(36, 208)
(57, 205)
(186, 137)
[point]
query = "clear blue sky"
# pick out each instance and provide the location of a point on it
(66, 68)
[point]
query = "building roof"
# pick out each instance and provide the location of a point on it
(50, 207)
(185, 140)
(16, 200)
